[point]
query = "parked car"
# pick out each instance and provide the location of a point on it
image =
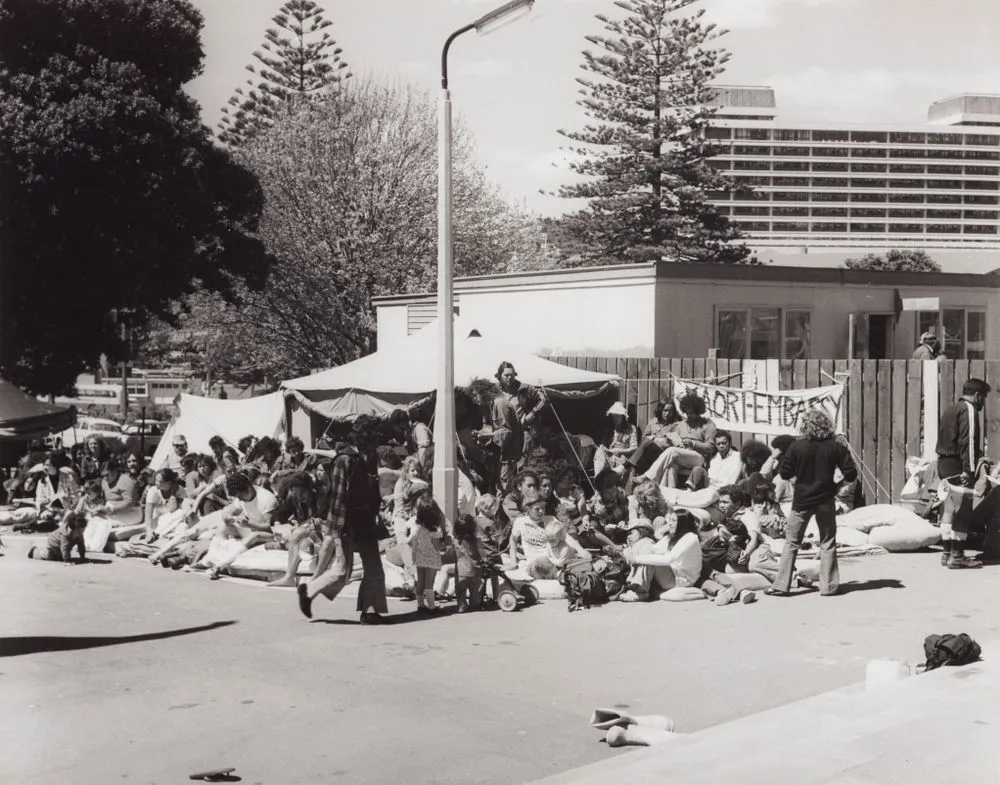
(107, 430)
(147, 433)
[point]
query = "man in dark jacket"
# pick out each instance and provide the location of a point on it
(813, 461)
(960, 448)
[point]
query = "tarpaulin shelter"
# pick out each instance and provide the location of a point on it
(406, 376)
(202, 418)
(23, 417)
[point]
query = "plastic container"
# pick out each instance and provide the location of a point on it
(883, 673)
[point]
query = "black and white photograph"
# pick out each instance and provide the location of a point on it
(659, 340)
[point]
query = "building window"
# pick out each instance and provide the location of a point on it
(790, 196)
(944, 199)
(982, 185)
(906, 212)
(721, 166)
(829, 227)
(944, 169)
(764, 333)
(790, 226)
(975, 335)
(791, 135)
(856, 197)
(906, 183)
(980, 199)
(747, 149)
(830, 136)
(719, 195)
(869, 136)
(795, 152)
(754, 226)
(752, 180)
(902, 137)
(911, 198)
(753, 133)
(865, 182)
(792, 182)
(867, 212)
(761, 165)
(944, 214)
(741, 210)
(964, 331)
(906, 168)
(943, 228)
(946, 184)
(981, 155)
(830, 152)
(868, 228)
(718, 133)
(821, 196)
(907, 228)
(981, 229)
(982, 139)
(948, 154)
(829, 212)
(867, 167)
(898, 152)
(869, 152)
(944, 139)
(989, 215)
(830, 182)
(791, 166)
(982, 171)
(829, 166)
(789, 211)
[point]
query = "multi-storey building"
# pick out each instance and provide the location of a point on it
(816, 185)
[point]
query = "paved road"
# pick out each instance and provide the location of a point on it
(123, 672)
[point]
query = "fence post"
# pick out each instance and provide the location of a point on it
(932, 408)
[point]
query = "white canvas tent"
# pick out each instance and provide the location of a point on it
(406, 375)
(202, 418)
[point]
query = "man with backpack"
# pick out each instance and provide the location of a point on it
(351, 525)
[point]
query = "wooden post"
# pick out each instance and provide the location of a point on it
(852, 329)
(932, 408)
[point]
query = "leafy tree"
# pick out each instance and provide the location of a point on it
(351, 214)
(113, 194)
(895, 261)
(644, 155)
(298, 58)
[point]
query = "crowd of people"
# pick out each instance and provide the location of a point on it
(683, 512)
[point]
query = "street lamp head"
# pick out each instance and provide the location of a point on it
(503, 15)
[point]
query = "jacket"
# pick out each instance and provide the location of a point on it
(960, 435)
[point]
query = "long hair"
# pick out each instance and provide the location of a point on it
(671, 418)
(410, 462)
(651, 502)
(754, 455)
(686, 524)
(816, 426)
(692, 403)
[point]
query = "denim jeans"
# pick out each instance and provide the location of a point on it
(826, 520)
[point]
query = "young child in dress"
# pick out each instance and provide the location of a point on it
(92, 501)
(468, 580)
(423, 535)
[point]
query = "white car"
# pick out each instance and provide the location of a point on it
(106, 430)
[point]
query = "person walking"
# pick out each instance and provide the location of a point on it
(351, 526)
(812, 460)
(960, 450)
(929, 348)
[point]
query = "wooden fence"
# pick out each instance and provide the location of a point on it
(885, 411)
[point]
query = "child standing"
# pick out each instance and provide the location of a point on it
(424, 538)
(468, 580)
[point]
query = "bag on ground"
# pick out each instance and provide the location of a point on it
(950, 649)
(583, 586)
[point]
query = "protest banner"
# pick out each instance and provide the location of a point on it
(766, 412)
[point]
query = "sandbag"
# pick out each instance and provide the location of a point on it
(680, 497)
(748, 580)
(851, 537)
(18, 515)
(874, 515)
(911, 534)
(259, 559)
(548, 589)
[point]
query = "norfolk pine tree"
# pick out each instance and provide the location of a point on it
(644, 155)
(299, 58)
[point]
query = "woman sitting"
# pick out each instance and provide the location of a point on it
(621, 442)
(655, 438)
(162, 498)
(58, 489)
(692, 444)
(529, 532)
(524, 484)
(672, 563)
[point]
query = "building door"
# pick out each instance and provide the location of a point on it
(880, 336)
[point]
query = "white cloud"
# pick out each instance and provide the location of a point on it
(488, 67)
(743, 14)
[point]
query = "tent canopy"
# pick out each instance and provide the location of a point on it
(202, 418)
(406, 374)
(23, 417)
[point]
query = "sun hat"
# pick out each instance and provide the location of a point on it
(618, 408)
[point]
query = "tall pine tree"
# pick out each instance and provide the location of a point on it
(644, 155)
(299, 58)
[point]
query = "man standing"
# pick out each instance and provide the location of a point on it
(351, 526)
(959, 451)
(928, 348)
(812, 460)
(175, 459)
(526, 401)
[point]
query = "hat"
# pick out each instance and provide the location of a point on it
(639, 523)
(618, 408)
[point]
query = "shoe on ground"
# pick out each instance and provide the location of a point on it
(747, 596)
(372, 618)
(631, 596)
(305, 602)
(775, 592)
(963, 563)
(727, 595)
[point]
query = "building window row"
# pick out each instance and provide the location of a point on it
(863, 227)
(867, 197)
(763, 333)
(964, 331)
(864, 212)
(857, 152)
(868, 182)
(858, 137)
(855, 167)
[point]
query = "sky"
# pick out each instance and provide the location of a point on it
(841, 60)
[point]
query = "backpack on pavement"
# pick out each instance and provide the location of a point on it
(950, 649)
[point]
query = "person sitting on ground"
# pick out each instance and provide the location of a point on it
(94, 455)
(754, 456)
(230, 459)
(61, 542)
(725, 467)
(692, 443)
(265, 455)
(247, 519)
(217, 446)
(566, 490)
(547, 492)
(524, 484)
(293, 457)
(650, 504)
(673, 562)
(582, 530)
(390, 468)
(639, 540)
(91, 502)
(212, 478)
(176, 456)
(120, 490)
(655, 438)
(163, 497)
(561, 550)
(765, 506)
(607, 509)
(57, 490)
(621, 441)
(189, 474)
(741, 529)
(529, 532)
(783, 489)
(715, 582)
(298, 506)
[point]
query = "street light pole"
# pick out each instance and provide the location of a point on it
(445, 475)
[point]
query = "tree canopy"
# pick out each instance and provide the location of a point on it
(644, 155)
(298, 58)
(114, 196)
(895, 261)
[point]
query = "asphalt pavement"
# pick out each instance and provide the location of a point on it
(119, 671)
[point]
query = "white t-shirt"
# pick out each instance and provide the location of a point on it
(256, 513)
(684, 558)
(466, 495)
(725, 471)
